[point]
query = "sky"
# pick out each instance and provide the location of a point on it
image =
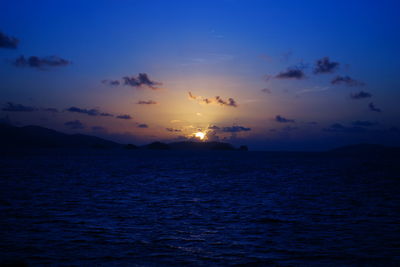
(272, 75)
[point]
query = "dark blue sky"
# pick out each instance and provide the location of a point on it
(271, 74)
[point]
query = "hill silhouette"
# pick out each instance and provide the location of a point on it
(36, 136)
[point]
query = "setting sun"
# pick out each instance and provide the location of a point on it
(200, 135)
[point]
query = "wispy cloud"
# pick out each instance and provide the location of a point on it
(372, 107)
(90, 112)
(360, 95)
(124, 117)
(142, 125)
(230, 102)
(8, 41)
(111, 82)
(41, 63)
(148, 102)
(12, 107)
(291, 73)
(324, 65)
(280, 119)
(213, 127)
(99, 129)
(173, 130)
(76, 124)
(314, 90)
(346, 80)
(339, 128)
(141, 80)
(235, 129)
(266, 90)
(53, 110)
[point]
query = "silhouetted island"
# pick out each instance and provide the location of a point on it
(40, 137)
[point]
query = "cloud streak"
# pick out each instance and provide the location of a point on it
(230, 102)
(75, 125)
(90, 112)
(324, 65)
(148, 102)
(372, 107)
(124, 117)
(339, 128)
(173, 130)
(111, 82)
(280, 119)
(360, 95)
(8, 42)
(235, 129)
(291, 73)
(346, 80)
(12, 107)
(141, 80)
(41, 63)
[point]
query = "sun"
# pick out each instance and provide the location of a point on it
(200, 135)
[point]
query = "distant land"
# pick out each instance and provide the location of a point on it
(40, 137)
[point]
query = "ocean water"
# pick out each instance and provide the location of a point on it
(169, 208)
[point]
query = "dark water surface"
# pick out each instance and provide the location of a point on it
(161, 208)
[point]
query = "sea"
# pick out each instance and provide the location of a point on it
(97, 207)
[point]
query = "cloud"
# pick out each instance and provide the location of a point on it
(191, 96)
(141, 80)
(41, 63)
(279, 118)
(17, 108)
(346, 80)
(21, 108)
(266, 90)
(105, 114)
(173, 130)
(76, 124)
(142, 125)
(149, 102)
(231, 102)
(289, 128)
(124, 117)
(337, 127)
(99, 129)
(213, 127)
(215, 100)
(360, 95)
(291, 73)
(373, 108)
(111, 82)
(364, 123)
(235, 129)
(324, 65)
(53, 110)
(313, 90)
(8, 41)
(90, 112)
